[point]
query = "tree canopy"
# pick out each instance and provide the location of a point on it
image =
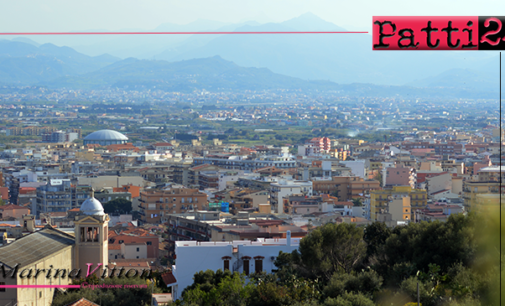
(118, 205)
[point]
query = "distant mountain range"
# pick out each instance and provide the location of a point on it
(341, 62)
(26, 64)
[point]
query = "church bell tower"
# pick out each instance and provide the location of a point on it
(91, 237)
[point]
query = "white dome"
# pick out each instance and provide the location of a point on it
(92, 207)
(106, 135)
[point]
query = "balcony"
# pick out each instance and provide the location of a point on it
(184, 236)
(187, 229)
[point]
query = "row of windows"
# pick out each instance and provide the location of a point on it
(183, 200)
(63, 196)
(258, 265)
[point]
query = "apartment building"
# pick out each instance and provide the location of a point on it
(449, 148)
(157, 204)
(284, 188)
(227, 161)
(380, 200)
(59, 195)
(486, 184)
(29, 130)
(345, 188)
(399, 176)
(323, 143)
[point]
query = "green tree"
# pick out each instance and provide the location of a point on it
(427, 296)
(375, 237)
(110, 297)
(331, 248)
(281, 289)
(118, 205)
(357, 202)
(365, 282)
(349, 299)
(420, 244)
(220, 288)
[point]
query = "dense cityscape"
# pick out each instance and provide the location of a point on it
(248, 183)
(329, 153)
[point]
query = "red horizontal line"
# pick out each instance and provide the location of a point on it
(174, 33)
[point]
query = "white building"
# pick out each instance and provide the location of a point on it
(283, 161)
(359, 211)
(308, 150)
(285, 188)
(237, 256)
(357, 167)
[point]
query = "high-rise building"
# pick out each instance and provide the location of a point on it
(59, 195)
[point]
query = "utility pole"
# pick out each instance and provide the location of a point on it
(152, 291)
(418, 304)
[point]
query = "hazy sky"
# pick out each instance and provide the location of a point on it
(72, 15)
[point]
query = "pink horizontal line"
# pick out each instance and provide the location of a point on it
(174, 33)
(40, 286)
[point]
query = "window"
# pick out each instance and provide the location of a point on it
(115, 257)
(246, 266)
(40, 294)
(226, 264)
(2, 289)
(137, 257)
(258, 265)
(138, 250)
(149, 243)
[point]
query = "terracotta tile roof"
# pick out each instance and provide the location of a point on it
(83, 302)
(11, 207)
(202, 167)
(6, 225)
(114, 246)
(168, 278)
(128, 239)
(75, 209)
